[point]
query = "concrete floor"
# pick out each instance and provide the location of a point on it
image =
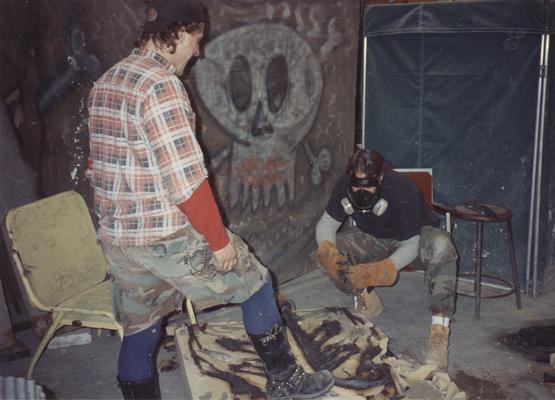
(479, 362)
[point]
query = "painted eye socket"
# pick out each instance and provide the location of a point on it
(277, 82)
(240, 83)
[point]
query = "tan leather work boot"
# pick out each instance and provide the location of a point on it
(438, 344)
(368, 304)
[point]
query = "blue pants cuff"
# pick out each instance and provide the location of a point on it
(260, 311)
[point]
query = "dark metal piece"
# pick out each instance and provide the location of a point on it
(368, 374)
(235, 345)
(353, 318)
(311, 344)
(237, 385)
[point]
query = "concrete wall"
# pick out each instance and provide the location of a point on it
(295, 64)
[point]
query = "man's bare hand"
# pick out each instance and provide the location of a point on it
(226, 258)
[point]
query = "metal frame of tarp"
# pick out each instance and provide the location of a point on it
(535, 192)
(471, 16)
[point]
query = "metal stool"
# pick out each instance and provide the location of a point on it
(480, 213)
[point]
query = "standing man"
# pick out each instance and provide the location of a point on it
(393, 227)
(159, 224)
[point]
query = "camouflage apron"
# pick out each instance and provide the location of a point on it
(151, 281)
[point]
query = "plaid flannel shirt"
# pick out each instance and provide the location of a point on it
(144, 153)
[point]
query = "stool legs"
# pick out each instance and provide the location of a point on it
(478, 277)
(476, 213)
(478, 272)
(516, 284)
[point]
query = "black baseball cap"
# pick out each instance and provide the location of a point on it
(162, 13)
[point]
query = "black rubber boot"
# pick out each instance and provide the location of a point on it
(285, 378)
(144, 390)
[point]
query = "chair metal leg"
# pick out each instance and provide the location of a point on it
(191, 311)
(54, 326)
(513, 264)
(449, 222)
(478, 277)
(120, 331)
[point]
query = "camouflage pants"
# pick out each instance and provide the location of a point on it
(151, 281)
(437, 256)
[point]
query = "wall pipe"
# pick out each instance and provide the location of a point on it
(537, 208)
(529, 244)
(363, 111)
(537, 165)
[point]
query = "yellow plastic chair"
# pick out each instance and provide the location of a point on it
(62, 267)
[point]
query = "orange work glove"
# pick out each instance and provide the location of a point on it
(381, 273)
(328, 257)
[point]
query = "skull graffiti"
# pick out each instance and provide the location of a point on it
(263, 83)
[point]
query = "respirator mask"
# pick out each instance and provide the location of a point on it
(367, 163)
(360, 198)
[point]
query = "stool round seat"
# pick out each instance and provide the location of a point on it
(480, 213)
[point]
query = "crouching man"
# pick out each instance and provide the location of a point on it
(391, 227)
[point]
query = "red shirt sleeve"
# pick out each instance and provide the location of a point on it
(204, 216)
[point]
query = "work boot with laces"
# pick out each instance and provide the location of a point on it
(438, 344)
(368, 303)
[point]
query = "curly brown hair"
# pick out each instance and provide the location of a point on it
(169, 37)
